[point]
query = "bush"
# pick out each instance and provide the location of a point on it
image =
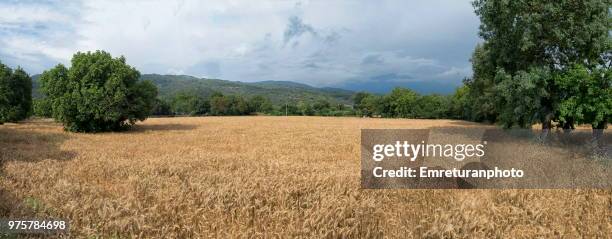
(162, 107)
(98, 93)
(42, 108)
(260, 104)
(431, 107)
(15, 94)
(190, 103)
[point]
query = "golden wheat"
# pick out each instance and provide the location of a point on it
(259, 177)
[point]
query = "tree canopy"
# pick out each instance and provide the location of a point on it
(98, 93)
(15, 94)
(542, 61)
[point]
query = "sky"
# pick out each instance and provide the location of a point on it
(357, 45)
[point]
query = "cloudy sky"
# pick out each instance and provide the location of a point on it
(351, 44)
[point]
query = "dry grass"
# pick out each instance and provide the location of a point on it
(259, 177)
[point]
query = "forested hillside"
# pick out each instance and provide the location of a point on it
(278, 92)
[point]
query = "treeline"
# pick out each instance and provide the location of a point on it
(218, 104)
(15, 94)
(406, 103)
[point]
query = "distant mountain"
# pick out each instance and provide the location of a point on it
(278, 92)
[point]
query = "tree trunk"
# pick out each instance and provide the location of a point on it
(598, 134)
(568, 126)
(546, 125)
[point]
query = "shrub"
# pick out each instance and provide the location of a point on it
(15, 94)
(98, 93)
(42, 108)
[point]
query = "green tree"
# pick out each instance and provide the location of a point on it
(189, 103)
(520, 36)
(305, 108)
(219, 104)
(481, 92)
(162, 107)
(586, 96)
(358, 99)
(5, 92)
(431, 107)
(460, 107)
(260, 104)
(98, 93)
(237, 105)
(42, 108)
(523, 98)
(374, 105)
(15, 94)
(289, 108)
(321, 107)
(403, 102)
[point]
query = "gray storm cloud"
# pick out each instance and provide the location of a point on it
(322, 43)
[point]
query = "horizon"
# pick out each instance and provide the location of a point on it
(346, 45)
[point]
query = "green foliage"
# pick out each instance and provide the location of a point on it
(523, 98)
(42, 108)
(405, 103)
(98, 93)
(305, 108)
(278, 92)
(162, 107)
(229, 105)
(540, 61)
(481, 93)
(15, 94)
(219, 105)
(460, 107)
(432, 107)
(372, 105)
(536, 33)
(358, 98)
(260, 104)
(402, 102)
(189, 103)
(585, 96)
(286, 109)
(321, 107)
(237, 105)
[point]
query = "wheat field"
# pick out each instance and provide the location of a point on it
(259, 177)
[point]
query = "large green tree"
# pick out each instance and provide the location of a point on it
(98, 93)
(15, 94)
(522, 40)
(586, 96)
(403, 102)
(519, 97)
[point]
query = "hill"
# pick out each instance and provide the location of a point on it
(278, 92)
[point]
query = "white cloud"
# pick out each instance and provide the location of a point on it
(318, 42)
